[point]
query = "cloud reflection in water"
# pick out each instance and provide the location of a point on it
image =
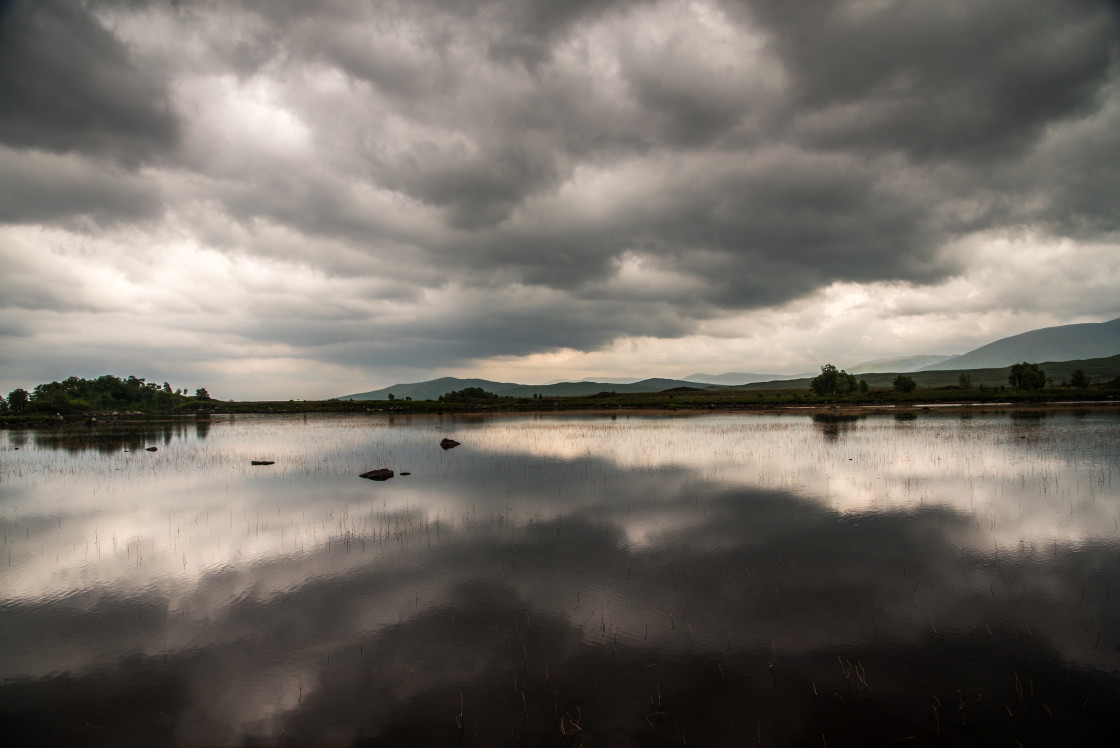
(627, 580)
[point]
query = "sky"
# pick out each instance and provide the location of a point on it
(278, 199)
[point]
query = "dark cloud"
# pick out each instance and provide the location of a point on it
(44, 188)
(68, 84)
(1081, 207)
(468, 326)
(481, 188)
(830, 212)
(939, 80)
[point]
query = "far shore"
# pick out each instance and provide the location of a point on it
(367, 409)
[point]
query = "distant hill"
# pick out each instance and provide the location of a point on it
(570, 389)
(1061, 343)
(607, 380)
(431, 390)
(900, 363)
(1050, 344)
(734, 377)
(1098, 370)
(604, 380)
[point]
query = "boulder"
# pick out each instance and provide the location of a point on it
(448, 443)
(379, 474)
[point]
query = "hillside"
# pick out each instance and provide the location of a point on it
(734, 377)
(1097, 369)
(574, 389)
(1061, 343)
(433, 389)
(899, 363)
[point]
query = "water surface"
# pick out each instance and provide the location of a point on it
(607, 580)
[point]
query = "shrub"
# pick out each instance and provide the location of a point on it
(903, 383)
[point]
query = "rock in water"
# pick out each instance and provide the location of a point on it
(449, 443)
(379, 474)
(262, 462)
(151, 449)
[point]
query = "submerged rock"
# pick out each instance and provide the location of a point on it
(449, 443)
(262, 462)
(379, 474)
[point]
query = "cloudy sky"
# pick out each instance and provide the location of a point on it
(276, 198)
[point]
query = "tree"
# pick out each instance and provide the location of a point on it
(833, 381)
(202, 394)
(903, 383)
(965, 381)
(1078, 379)
(392, 396)
(825, 382)
(1026, 376)
(470, 394)
(863, 386)
(17, 399)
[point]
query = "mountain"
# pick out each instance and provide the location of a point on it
(604, 380)
(607, 380)
(583, 388)
(1061, 343)
(899, 363)
(432, 389)
(732, 378)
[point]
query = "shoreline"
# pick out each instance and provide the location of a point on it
(853, 409)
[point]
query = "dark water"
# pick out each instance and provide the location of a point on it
(564, 580)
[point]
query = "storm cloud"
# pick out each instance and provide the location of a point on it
(371, 191)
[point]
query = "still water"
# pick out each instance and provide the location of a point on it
(564, 580)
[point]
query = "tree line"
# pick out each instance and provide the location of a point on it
(468, 395)
(1021, 377)
(105, 393)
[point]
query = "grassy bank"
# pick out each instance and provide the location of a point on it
(679, 400)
